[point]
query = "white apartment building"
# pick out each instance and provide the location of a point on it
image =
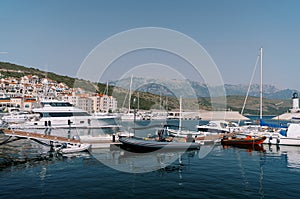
(104, 103)
(80, 101)
(86, 104)
(92, 104)
(23, 93)
(108, 103)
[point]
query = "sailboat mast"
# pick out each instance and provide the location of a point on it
(138, 108)
(180, 112)
(106, 88)
(107, 107)
(261, 84)
(129, 100)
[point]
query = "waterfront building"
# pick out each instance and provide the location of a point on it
(25, 92)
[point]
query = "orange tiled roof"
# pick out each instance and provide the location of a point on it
(4, 100)
(30, 100)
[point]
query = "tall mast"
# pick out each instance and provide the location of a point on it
(129, 100)
(261, 84)
(106, 88)
(180, 114)
(107, 105)
(138, 106)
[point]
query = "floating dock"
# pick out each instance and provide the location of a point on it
(38, 136)
(95, 143)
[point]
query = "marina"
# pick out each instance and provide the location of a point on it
(250, 171)
(249, 165)
(149, 99)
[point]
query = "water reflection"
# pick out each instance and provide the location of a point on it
(141, 162)
(288, 155)
(248, 148)
(25, 151)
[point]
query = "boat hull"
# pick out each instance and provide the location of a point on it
(243, 141)
(74, 148)
(290, 137)
(283, 141)
(140, 145)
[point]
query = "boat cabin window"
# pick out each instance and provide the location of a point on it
(64, 114)
(212, 124)
(59, 104)
(223, 125)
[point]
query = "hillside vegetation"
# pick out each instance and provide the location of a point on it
(148, 100)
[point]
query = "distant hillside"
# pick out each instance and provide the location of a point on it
(190, 89)
(13, 70)
(164, 94)
(275, 101)
(270, 106)
(147, 100)
(269, 91)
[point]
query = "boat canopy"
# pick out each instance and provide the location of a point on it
(272, 125)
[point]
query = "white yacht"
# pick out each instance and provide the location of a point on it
(60, 114)
(129, 116)
(16, 116)
(289, 136)
(217, 126)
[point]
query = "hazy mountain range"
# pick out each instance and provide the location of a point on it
(277, 102)
(190, 89)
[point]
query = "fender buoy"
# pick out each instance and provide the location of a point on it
(270, 138)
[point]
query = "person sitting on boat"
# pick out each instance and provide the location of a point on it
(249, 137)
(160, 136)
(189, 138)
(225, 137)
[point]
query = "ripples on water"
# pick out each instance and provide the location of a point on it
(224, 173)
(212, 172)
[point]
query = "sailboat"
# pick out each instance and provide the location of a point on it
(191, 136)
(280, 135)
(130, 115)
(251, 129)
(181, 133)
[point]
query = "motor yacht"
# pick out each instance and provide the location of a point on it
(60, 114)
(217, 126)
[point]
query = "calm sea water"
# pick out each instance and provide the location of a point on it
(211, 172)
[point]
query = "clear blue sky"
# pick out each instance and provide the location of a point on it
(57, 35)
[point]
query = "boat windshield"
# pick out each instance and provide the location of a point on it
(63, 114)
(57, 104)
(223, 125)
